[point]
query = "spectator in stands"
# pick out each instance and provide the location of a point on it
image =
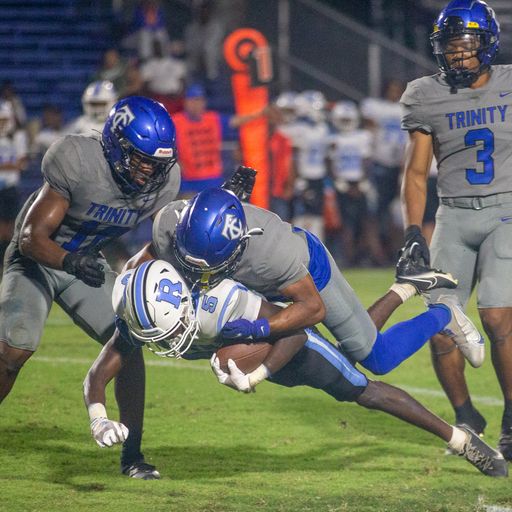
(199, 135)
(9, 93)
(52, 128)
(164, 78)
(203, 43)
(282, 176)
(113, 68)
(148, 27)
(382, 116)
(13, 160)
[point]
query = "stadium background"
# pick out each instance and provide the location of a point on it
(280, 449)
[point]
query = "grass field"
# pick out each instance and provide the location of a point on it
(277, 450)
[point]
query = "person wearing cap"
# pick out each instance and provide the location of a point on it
(199, 135)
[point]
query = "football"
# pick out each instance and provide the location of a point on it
(247, 356)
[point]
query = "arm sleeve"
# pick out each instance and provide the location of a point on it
(61, 167)
(413, 112)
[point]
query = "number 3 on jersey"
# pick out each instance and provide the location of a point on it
(485, 138)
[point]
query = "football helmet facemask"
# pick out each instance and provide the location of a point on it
(139, 143)
(211, 236)
(156, 305)
(465, 30)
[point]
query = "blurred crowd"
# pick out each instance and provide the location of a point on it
(335, 165)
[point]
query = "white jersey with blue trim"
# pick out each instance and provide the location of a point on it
(348, 152)
(12, 149)
(226, 302)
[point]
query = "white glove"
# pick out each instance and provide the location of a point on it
(107, 432)
(236, 378)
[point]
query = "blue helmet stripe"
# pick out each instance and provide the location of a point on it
(139, 293)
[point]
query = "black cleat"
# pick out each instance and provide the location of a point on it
(505, 443)
(478, 453)
(411, 269)
(141, 470)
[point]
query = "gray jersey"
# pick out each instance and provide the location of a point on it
(471, 131)
(272, 261)
(76, 168)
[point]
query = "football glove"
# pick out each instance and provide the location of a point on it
(84, 266)
(246, 330)
(235, 379)
(241, 183)
(107, 432)
(413, 235)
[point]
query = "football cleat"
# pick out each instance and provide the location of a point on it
(505, 443)
(141, 470)
(411, 269)
(478, 453)
(462, 331)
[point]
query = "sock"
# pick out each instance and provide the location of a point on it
(506, 422)
(131, 449)
(458, 440)
(466, 413)
(404, 290)
(404, 339)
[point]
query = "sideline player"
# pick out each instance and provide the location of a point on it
(93, 191)
(214, 236)
(463, 115)
(160, 312)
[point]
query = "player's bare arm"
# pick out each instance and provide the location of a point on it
(42, 220)
(285, 348)
(307, 308)
(414, 186)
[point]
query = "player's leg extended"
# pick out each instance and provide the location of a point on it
(25, 301)
(91, 309)
(319, 365)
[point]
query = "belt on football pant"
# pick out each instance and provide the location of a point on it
(477, 202)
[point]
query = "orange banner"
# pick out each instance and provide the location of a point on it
(247, 53)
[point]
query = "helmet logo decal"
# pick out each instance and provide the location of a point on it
(169, 292)
(122, 118)
(233, 228)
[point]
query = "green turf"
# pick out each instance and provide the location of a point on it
(279, 449)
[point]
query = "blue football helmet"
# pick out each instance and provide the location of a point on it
(139, 143)
(211, 236)
(472, 25)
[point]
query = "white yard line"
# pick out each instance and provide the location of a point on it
(191, 365)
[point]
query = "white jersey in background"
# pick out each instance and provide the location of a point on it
(348, 151)
(389, 139)
(12, 148)
(311, 142)
(84, 125)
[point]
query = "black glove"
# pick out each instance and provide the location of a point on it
(241, 182)
(85, 267)
(415, 245)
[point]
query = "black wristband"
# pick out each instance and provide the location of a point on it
(412, 230)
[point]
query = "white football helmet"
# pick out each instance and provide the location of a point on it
(311, 105)
(156, 304)
(345, 116)
(7, 121)
(97, 100)
(286, 103)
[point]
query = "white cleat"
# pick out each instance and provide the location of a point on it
(463, 332)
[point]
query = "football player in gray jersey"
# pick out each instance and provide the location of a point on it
(461, 115)
(214, 236)
(93, 191)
